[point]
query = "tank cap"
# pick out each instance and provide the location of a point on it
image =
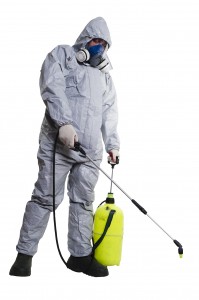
(110, 198)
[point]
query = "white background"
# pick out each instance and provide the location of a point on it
(156, 74)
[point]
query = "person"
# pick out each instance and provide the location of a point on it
(81, 105)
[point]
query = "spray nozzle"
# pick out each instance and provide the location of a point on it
(180, 249)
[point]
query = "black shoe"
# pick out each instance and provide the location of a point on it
(87, 265)
(21, 266)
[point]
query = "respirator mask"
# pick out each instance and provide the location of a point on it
(96, 56)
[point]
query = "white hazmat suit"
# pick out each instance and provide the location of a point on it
(83, 96)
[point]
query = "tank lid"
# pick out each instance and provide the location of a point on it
(110, 198)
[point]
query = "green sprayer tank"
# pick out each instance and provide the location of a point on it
(108, 233)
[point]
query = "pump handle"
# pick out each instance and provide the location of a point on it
(114, 163)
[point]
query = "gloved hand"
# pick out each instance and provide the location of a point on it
(112, 155)
(68, 135)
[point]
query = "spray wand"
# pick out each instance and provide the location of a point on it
(78, 147)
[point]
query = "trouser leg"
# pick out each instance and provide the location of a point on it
(38, 210)
(82, 180)
(34, 224)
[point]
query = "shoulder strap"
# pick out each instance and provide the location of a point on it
(108, 223)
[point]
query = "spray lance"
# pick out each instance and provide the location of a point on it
(77, 147)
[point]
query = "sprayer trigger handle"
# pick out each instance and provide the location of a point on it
(77, 147)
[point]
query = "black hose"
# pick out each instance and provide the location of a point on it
(54, 208)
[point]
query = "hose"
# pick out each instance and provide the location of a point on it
(54, 208)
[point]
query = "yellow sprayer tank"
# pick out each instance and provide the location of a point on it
(108, 227)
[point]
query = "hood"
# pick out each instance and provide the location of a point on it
(96, 28)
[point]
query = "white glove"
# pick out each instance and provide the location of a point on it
(112, 155)
(68, 135)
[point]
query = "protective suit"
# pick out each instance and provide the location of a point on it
(81, 95)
